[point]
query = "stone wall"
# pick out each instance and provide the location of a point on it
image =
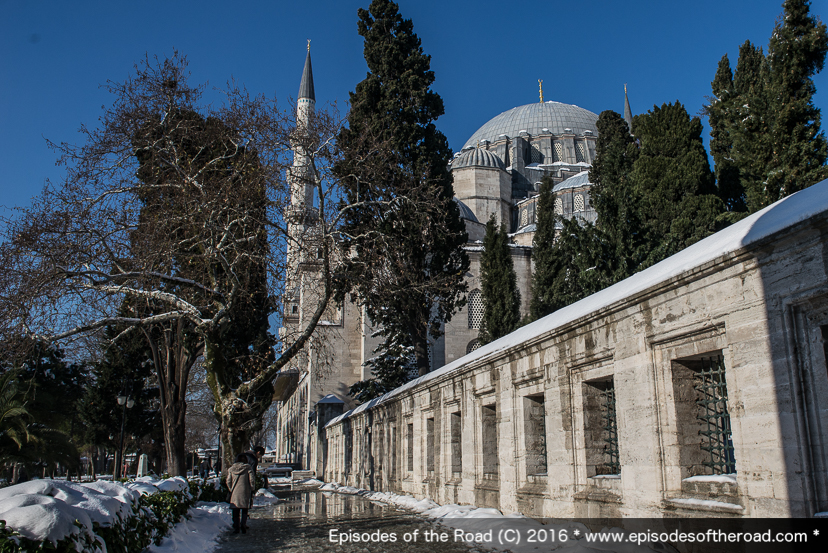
(603, 409)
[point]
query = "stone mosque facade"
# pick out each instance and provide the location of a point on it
(496, 173)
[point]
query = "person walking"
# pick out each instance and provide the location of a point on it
(240, 481)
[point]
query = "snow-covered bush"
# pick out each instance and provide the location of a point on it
(99, 517)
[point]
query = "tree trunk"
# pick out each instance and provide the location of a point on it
(173, 362)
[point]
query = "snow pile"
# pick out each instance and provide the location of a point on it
(200, 533)
(477, 522)
(264, 497)
(46, 510)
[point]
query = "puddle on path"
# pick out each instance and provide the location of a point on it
(306, 519)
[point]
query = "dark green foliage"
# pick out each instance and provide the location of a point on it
(543, 252)
(615, 196)
(765, 130)
(674, 188)
(402, 232)
(392, 366)
(501, 297)
(49, 388)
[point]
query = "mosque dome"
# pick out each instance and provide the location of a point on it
(535, 119)
(466, 212)
(576, 181)
(476, 157)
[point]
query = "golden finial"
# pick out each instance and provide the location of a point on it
(309, 45)
(540, 88)
(625, 88)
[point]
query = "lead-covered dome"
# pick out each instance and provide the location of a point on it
(477, 157)
(536, 119)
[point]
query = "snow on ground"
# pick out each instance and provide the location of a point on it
(477, 521)
(47, 509)
(199, 534)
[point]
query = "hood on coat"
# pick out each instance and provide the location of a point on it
(239, 469)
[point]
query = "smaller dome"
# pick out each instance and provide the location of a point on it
(466, 212)
(477, 157)
(575, 181)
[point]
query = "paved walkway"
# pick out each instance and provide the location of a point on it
(303, 523)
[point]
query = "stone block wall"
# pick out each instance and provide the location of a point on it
(526, 428)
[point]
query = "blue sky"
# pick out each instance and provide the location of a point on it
(487, 57)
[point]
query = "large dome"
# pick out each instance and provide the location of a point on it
(534, 118)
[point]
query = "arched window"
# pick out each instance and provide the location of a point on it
(579, 203)
(524, 217)
(558, 206)
(536, 156)
(473, 345)
(475, 309)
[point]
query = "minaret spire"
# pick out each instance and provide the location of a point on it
(306, 86)
(627, 110)
(540, 89)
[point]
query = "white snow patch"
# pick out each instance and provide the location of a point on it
(708, 503)
(781, 215)
(199, 534)
(264, 497)
(722, 478)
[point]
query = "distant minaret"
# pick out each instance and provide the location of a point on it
(303, 170)
(627, 110)
(301, 178)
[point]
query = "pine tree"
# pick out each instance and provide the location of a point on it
(402, 234)
(676, 196)
(501, 297)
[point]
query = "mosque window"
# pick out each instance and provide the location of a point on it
(578, 203)
(558, 206)
(473, 345)
(558, 156)
(524, 217)
(536, 154)
(580, 155)
(475, 309)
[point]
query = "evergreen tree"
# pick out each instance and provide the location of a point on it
(765, 130)
(501, 297)
(543, 252)
(402, 232)
(796, 52)
(674, 187)
(393, 365)
(615, 197)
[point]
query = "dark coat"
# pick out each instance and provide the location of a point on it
(241, 481)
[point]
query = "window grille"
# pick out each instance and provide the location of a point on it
(579, 203)
(558, 156)
(475, 309)
(717, 439)
(558, 206)
(473, 345)
(580, 154)
(430, 356)
(612, 464)
(524, 217)
(536, 154)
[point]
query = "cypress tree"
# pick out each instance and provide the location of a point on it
(796, 52)
(543, 252)
(501, 297)
(676, 195)
(615, 198)
(402, 232)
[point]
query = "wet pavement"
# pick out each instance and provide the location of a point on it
(305, 520)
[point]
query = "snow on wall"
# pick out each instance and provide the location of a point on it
(777, 217)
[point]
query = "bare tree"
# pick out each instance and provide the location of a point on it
(177, 225)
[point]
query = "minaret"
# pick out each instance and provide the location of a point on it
(303, 170)
(301, 180)
(627, 110)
